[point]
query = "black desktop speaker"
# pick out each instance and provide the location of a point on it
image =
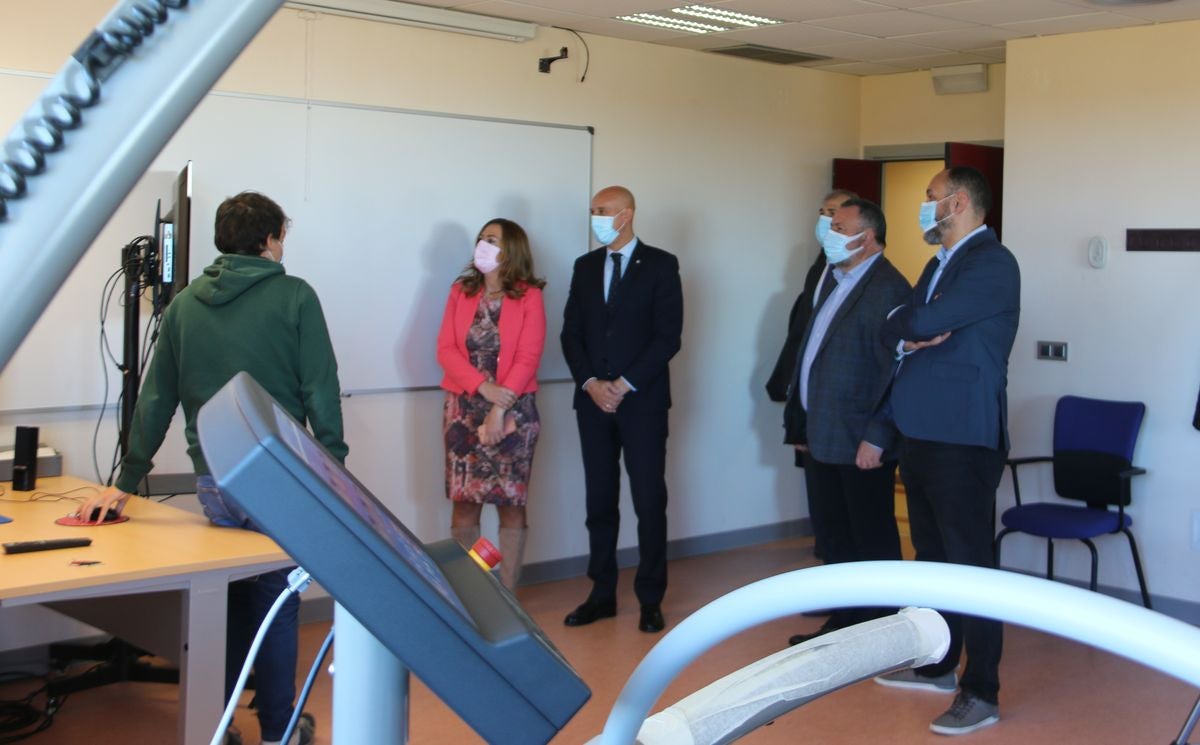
(24, 471)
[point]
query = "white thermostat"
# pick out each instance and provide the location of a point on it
(1098, 252)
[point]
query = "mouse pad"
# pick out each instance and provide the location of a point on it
(79, 522)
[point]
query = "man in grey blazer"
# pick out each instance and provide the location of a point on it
(948, 400)
(843, 366)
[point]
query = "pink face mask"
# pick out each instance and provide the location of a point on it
(487, 256)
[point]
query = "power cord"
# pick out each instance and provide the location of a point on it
(587, 60)
(20, 719)
(298, 582)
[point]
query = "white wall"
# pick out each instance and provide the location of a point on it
(1100, 137)
(726, 158)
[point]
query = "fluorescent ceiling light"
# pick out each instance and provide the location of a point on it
(726, 16)
(715, 20)
(423, 16)
(677, 24)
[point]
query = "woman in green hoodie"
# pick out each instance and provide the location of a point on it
(244, 313)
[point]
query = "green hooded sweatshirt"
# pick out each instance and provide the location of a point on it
(244, 313)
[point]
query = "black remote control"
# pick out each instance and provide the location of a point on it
(22, 547)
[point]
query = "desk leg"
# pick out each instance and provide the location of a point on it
(370, 687)
(202, 670)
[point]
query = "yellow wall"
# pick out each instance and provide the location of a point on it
(904, 185)
(902, 108)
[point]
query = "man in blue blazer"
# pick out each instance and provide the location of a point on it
(621, 326)
(948, 400)
(843, 366)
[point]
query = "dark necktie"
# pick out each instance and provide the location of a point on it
(615, 279)
(827, 287)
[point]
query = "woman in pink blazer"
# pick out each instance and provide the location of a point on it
(489, 348)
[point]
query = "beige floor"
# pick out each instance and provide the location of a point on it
(1054, 691)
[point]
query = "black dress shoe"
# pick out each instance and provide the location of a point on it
(652, 619)
(591, 610)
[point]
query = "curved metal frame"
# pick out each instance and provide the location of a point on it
(1113, 625)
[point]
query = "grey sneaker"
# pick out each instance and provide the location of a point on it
(967, 714)
(908, 678)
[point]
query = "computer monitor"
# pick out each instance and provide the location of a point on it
(172, 239)
(451, 623)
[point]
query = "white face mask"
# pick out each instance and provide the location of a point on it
(835, 247)
(487, 257)
(823, 224)
(603, 229)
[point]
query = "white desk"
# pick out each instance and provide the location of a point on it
(160, 584)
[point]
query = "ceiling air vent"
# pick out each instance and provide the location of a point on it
(769, 54)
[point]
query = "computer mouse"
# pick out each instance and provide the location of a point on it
(108, 516)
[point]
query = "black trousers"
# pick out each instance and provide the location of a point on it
(951, 508)
(856, 510)
(642, 441)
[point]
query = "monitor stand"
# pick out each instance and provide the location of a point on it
(370, 686)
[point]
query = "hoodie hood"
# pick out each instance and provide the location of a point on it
(231, 275)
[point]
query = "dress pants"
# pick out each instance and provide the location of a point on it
(951, 510)
(857, 512)
(642, 440)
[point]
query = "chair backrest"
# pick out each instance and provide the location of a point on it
(1093, 442)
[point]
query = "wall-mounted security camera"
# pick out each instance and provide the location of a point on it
(545, 62)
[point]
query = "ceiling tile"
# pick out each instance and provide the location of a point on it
(792, 10)
(873, 50)
(1179, 10)
(939, 60)
(908, 4)
(703, 41)
(969, 38)
(991, 12)
(890, 23)
(794, 36)
(1073, 24)
(627, 30)
(605, 8)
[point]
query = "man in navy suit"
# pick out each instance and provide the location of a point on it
(843, 367)
(621, 326)
(948, 400)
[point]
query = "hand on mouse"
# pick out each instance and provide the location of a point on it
(111, 498)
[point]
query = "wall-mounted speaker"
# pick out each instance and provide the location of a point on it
(959, 79)
(24, 476)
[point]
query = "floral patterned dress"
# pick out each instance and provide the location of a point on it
(492, 474)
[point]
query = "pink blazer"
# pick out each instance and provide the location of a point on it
(522, 336)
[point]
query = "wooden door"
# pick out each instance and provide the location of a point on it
(990, 161)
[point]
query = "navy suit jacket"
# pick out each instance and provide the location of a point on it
(852, 368)
(635, 337)
(956, 392)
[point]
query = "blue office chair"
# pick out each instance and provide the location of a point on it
(1093, 450)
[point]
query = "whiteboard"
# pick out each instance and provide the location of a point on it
(385, 207)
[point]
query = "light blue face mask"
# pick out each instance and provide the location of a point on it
(823, 223)
(929, 219)
(835, 249)
(602, 228)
